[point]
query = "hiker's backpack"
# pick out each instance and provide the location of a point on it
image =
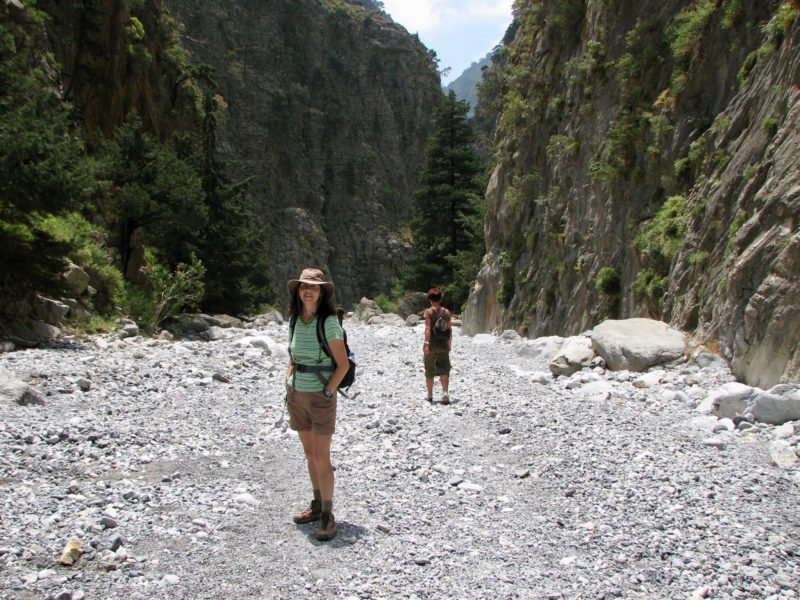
(441, 327)
(350, 377)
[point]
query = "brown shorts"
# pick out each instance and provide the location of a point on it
(311, 411)
(437, 362)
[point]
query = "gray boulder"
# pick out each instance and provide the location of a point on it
(542, 347)
(413, 320)
(227, 321)
(31, 334)
(775, 409)
(76, 278)
(49, 311)
(16, 391)
(366, 309)
(637, 344)
(265, 319)
(575, 354)
(731, 400)
(412, 303)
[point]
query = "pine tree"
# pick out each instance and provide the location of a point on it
(43, 166)
(448, 221)
(152, 189)
(231, 249)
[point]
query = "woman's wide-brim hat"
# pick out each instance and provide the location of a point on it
(312, 276)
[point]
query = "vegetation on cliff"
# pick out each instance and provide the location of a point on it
(127, 205)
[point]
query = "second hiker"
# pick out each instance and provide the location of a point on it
(436, 348)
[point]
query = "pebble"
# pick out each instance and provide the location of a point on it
(173, 464)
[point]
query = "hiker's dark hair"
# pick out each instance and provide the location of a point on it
(325, 309)
(435, 294)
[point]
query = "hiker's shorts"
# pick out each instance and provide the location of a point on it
(311, 411)
(437, 362)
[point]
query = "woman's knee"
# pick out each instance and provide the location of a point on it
(320, 461)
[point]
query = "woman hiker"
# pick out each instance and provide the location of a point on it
(436, 347)
(312, 381)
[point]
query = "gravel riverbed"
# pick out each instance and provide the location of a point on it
(172, 465)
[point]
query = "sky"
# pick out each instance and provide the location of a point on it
(460, 31)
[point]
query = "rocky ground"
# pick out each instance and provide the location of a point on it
(171, 464)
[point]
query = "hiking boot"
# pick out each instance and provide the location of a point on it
(429, 399)
(446, 398)
(309, 515)
(327, 527)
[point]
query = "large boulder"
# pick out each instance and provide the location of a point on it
(76, 278)
(30, 333)
(265, 319)
(227, 322)
(412, 303)
(14, 390)
(49, 311)
(545, 347)
(637, 344)
(575, 354)
(777, 405)
(366, 309)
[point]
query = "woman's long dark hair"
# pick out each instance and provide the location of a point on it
(325, 308)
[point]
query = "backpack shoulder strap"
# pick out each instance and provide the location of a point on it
(322, 338)
(292, 323)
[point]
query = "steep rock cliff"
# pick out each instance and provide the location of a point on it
(114, 60)
(647, 166)
(329, 107)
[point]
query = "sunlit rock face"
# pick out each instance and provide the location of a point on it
(626, 107)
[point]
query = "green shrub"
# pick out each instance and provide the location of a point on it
(697, 151)
(750, 171)
(521, 188)
(747, 66)
(608, 281)
(721, 158)
(733, 229)
(776, 28)
(648, 285)
(686, 30)
(663, 234)
(167, 293)
(770, 125)
(697, 257)
(699, 208)
(601, 171)
(683, 167)
(561, 146)
(91, 254)
(507, 288)
(732, 14)
(387, 304)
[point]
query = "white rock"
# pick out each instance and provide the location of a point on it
(782, 454)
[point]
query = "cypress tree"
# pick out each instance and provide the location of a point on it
(233, 251)
(448, 221)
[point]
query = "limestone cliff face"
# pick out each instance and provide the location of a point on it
(114, 60)
(329, 106)
(647, 166)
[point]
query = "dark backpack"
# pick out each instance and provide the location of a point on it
(441, 327)
(350, 377)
